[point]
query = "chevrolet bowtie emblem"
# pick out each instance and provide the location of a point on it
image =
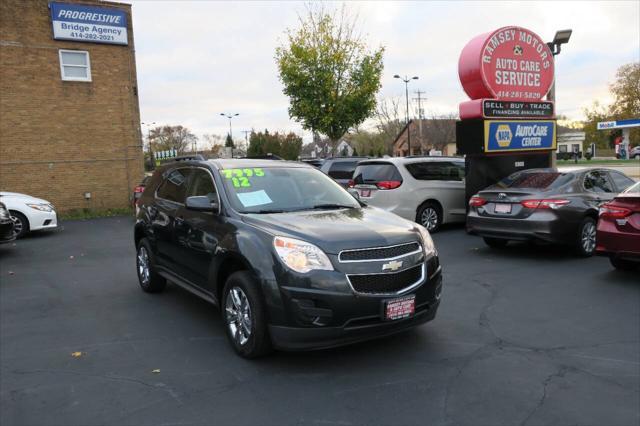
(394, 265)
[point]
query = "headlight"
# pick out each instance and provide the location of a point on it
(41, 207)
(301, 256)
(427, 242)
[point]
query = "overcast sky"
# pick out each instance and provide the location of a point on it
(198, 59)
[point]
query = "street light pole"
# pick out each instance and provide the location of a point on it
(230, 116)
(406, 94)
(561, 37)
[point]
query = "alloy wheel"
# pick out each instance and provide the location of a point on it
(238, 313)
(429, 218)
(143, 265)
(588, 237)
(17, 225)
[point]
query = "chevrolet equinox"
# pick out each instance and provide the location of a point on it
(291, 258)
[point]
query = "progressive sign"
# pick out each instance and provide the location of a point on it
(518, 135)
(88, 24)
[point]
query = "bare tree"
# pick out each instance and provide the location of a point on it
(440, 130)
(388, 122)
(172, 137)
(212, 142)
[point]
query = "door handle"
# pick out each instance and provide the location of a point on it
(179, 220)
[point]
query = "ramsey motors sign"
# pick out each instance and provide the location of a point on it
(89, 24)
(511, 63)
(516, 135)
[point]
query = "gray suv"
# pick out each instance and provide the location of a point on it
(341, 168)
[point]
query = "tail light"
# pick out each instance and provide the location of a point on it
(544, 204)
(389, 184)
(351, 183)
(614, 212)
(138, 189)
(476, 201)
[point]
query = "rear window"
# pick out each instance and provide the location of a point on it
(536, 180)
(375, 172)
(633, 189)
(437, 170)
(621, 181)
(342, 169)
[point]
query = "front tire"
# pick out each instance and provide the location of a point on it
(623, 264)
(586, 243)
(150, 281)
(495, 242)
(430, 216)
(244, 316)
(20, 224)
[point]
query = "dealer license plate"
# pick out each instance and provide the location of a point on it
(403, 307)
(503, 208)
(365, 193)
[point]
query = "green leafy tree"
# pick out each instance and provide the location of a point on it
(287, 146)
(328, 73)
(290, 146)
(626, 94)
(229, 141)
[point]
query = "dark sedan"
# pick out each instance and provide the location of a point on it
(545, 205)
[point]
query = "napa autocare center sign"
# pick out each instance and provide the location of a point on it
(88, 24)
(519, 135)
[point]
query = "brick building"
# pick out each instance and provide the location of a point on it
(69, 113)
(437, 134)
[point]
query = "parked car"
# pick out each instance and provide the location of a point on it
(29, 213)
(545, 205)
(139, 189)
(341, 168)
(428, 190)
(315, 162)
(302, 268)
(618, 235)
(6, 226)
(635, 152)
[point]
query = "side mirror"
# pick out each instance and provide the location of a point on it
(201, 203)
(354, 193)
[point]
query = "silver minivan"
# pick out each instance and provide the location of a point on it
(428, 190)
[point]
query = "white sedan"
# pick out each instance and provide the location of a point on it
(29, 213)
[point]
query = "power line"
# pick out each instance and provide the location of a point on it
(420, 99)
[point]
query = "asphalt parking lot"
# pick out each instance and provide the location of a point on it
(524, 336)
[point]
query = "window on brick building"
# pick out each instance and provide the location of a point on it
(75, 65)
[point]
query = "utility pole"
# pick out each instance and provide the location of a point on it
(420, 116)
(420, 99)
(246, 138)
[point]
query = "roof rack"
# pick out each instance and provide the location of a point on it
(268, 156)
(195, 157)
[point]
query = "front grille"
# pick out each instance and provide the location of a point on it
(378, 253)
(386, 283)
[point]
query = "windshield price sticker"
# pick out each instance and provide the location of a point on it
(240, 177)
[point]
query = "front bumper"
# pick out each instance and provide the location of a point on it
(538, 227)
(40, 220)
(355, 318)
(6, 232)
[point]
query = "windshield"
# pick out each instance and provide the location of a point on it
(633, 189)
(279, 189)
(536, 180)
